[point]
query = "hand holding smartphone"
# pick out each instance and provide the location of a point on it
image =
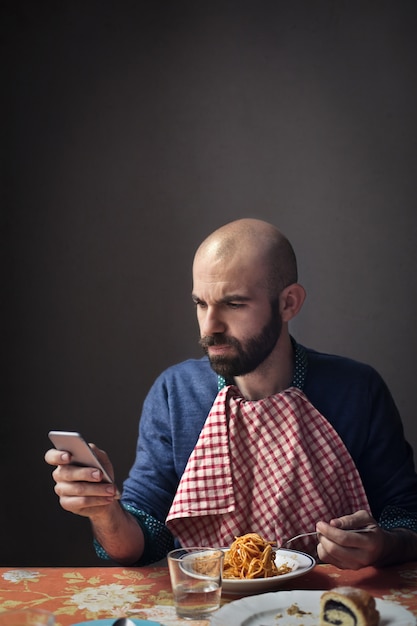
(82, 454)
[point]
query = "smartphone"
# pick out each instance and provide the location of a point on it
(82, 454)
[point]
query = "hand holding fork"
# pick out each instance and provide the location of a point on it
(366, 529)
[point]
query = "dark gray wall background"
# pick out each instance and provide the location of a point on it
(131, 130)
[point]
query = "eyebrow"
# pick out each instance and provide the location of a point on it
(228, 298)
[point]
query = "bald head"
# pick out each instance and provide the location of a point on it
(253, 241)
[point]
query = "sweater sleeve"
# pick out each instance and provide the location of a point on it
(394, 517)
(173, 414)
(158, 539)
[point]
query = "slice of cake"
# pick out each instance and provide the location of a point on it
(347, 606)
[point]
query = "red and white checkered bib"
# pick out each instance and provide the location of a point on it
(273, 466)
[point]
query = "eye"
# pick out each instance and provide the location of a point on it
(199, 303)
(235, 305)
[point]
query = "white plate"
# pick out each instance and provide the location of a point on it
(110, 622)
(300, 563)
(263, 610)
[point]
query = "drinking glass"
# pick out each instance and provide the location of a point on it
(196, 579)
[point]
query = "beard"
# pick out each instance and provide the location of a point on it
(250, 354)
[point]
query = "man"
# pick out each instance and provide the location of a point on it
(262, 435)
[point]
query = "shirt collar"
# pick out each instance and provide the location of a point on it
(300, 369)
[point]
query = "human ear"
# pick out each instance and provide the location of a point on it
(291, 300)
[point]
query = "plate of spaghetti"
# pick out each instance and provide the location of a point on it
(252, 565)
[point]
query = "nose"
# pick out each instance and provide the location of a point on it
(211, 322)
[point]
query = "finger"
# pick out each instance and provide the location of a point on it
(348, 539)
(354, 550)
(85, 490)
(332, 559)
(104, 459)
(340, 556)
(76, 473)
(359, 519)
(57, 457)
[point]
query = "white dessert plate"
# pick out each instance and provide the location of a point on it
(272, 609)
(299, 562)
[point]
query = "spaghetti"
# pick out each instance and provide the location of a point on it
(250, 556)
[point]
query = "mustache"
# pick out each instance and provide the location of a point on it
(217, 340)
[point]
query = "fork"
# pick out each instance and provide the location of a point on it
(366, 529)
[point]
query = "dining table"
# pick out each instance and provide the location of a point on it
(80, 594)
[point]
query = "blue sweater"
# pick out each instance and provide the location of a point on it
(350, 395)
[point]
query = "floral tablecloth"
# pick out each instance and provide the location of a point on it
(77, 595)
